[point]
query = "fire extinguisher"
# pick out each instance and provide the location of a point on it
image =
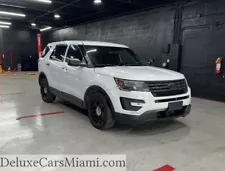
(218, 65)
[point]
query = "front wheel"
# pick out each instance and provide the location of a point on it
(46, 94)
(99, 112)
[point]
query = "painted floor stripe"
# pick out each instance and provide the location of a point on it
(165, 168)
(43, 114)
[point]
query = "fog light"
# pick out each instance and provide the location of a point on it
(137, 104)
(131, 104)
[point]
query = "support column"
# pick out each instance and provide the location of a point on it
(39, 48)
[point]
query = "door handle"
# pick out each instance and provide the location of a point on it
(48, 64)
(64, 69)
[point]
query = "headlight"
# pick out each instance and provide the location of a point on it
(127, 85)
(186, 82)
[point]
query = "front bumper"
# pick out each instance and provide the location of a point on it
(143, 101)
(134, 120)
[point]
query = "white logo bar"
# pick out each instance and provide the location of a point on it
(63, 162)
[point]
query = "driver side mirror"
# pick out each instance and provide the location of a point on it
(75, 62)
(151, 61)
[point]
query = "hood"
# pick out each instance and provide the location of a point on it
(140, 73)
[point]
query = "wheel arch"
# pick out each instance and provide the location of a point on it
(41, 75)
(95, 89)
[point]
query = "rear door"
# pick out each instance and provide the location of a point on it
(44, 58)
(55, 66)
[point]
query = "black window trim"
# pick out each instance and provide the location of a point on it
(63, 55)
(49, 48)
(68, 51)
(82, 53)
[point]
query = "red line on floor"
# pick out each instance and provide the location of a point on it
(42, 114)
(165, 168)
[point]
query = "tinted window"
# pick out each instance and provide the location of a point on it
(112, 56)
(45, 51)
(74, 52)
(59, 53)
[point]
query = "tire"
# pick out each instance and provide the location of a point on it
(99, 112)
(46, 94)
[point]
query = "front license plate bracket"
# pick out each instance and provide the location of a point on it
(175, 106)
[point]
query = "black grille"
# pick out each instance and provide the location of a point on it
(167, 88)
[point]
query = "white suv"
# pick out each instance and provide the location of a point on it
(111, 82)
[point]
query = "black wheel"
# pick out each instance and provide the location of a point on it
(99, 112)
(46, 94)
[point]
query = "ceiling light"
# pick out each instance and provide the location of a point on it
(2, 26)
(46, 28)
(97, 1)
(12, 13)
(33, 24)
(6, 23)
(57, 16)
(45, 1)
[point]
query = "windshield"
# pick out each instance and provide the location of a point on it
(112, 56)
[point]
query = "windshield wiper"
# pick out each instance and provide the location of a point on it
(132, 65)
(104, 65)
(111, 65)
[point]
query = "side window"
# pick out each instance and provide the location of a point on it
(45, 51)
(59, 53)
(74, 52)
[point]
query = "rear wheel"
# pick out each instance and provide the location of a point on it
(99, 112)
(46, 94)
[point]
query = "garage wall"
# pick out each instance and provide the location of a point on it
(199, 29)
(145, 32)
(21, 45)
(203, 41)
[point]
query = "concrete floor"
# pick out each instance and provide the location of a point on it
(189, 144)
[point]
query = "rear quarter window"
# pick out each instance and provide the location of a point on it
(45, 51)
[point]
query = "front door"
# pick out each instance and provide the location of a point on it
(73, 77)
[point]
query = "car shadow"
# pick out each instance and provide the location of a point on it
(154, 128)
(74, 107)
(150, 128)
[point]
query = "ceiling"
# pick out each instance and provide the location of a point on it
(72, 12)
